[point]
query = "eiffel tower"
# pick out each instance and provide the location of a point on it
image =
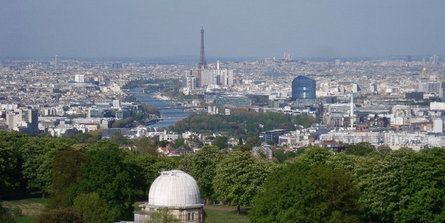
(202, 59)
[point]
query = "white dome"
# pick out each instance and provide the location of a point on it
(174, 189)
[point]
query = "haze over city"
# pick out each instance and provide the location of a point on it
(139, 28)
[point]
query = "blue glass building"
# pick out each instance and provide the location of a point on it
(303, 88)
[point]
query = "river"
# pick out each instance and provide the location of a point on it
(168, 116)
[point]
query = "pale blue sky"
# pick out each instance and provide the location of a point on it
(233, 28)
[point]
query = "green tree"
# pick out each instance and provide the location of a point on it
(360, 149)
(315, 156)
(150, 110)
(337, 195)
(104, 144)
(5, 215)
(240, 141)
(422, 198)
(162, 215)
(239, 177)
(114, 180)
(296, 193)
(203, 169)
(220, 142)
(66, 174)
(59, 216)
(38, 154)
(179, 143)
(382, 193)
(149, 166)
(241, 122)
(279, 155)
(242, 148)
(361, 167)
(146, 145)
(89, 137)
(120, 139)
(10, 171)
(91, 208)
(384, 148)
(406, 186)
(253, 141)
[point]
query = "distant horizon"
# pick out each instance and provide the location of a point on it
(193, 60)
(260, 29)
(215, 58)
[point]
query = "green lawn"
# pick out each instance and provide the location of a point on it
(30, 208)
(25, 219)
(217, 216)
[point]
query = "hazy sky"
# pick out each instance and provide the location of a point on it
(260, 28)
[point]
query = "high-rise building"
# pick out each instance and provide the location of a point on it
(12, 119)
(434, 60)
(55, 63)
(31, 117)
(430, 87)
(208, 77)
(79, 78)
(190, 81)
(303, 88)
(202, 58)
(221, 77)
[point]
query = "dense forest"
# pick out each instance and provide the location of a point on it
(93, 180)
(242, 122)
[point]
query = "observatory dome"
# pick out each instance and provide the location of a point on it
(174, 189)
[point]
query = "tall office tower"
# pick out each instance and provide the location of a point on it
(79, 78)
(12, 119)
(208, 77)
(190, 81)
(31, 117)
(424, 73)
(303, 88)
(55, 63)
(202, 60)
(352, 110)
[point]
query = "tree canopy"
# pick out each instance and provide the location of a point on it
(203, 169)
(360, 149)
(318, 185)
(220, 142)
(114, 181)
(406, 186)
(239, 177)
(59, 216)
(91, 208)
(66, 174)
(297, 193)
(241, 122)
(149, 167)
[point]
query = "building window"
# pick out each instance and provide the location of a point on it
(193, 216)
(189, 217)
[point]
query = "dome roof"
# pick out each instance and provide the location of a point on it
(174, 189)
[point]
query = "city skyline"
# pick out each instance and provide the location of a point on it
(233, 29)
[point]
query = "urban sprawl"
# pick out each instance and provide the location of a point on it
(395, 102)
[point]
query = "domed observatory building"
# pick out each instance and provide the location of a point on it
(179, 193)
(303, 88)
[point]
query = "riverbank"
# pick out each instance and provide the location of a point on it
(170, 111)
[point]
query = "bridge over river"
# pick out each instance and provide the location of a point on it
(180, 107)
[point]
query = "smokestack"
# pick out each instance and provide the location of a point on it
(352, 110)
